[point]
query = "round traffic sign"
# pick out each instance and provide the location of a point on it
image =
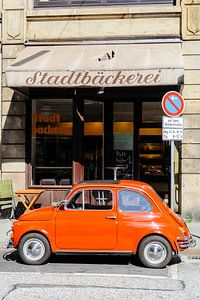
(173, 104)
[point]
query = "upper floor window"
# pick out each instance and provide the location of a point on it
(80, 3)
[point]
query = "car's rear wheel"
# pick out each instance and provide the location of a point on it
(34, 249)
(155, 252)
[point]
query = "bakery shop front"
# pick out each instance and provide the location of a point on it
(94, 110)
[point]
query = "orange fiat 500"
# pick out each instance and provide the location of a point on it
(124, 217)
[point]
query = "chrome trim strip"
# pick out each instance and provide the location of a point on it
(85, 252)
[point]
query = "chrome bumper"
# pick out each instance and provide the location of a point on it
(185, 242)
(9, 240)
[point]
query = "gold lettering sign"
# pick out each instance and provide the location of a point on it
(95, 78)
(50, 125)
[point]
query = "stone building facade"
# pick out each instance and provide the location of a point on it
(23, 24)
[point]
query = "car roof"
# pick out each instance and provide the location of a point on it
(113, 183)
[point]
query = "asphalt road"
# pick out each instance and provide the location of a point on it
(96, 278)
(90, 264)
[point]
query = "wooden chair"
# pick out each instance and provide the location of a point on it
(48, 181)
(64, 181)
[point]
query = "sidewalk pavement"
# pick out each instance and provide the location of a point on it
(5, 225)
(194, 228)
(193, 252)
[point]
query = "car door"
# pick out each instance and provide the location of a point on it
(89, 221)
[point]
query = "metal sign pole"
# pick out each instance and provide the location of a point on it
(172, 176)
(173, 106)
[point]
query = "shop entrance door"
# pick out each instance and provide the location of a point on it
(123, 136)
(93, 140)
(108, 140)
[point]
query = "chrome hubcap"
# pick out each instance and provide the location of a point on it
(155, 253)
(34, 249)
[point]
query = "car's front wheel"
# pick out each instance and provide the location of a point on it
(155, 252)
(34, 249)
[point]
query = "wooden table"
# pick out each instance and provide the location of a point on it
(23, 196)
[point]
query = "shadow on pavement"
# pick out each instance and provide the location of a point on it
(90, 259)
(12, 255)
(175, 260)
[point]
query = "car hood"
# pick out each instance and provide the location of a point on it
(40, 214)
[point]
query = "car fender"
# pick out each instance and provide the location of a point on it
(49, 234)
(169, 237)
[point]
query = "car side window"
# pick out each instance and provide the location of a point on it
(99, 200)
(133, 202)
(76, 201)
(92, 200)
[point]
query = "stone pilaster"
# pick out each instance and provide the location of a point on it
(191, 93)
(13, 103)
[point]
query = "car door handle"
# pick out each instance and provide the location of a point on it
(111, 217)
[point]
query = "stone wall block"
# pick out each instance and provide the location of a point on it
(192, 106)
(192, 136)
(191, 151)
(191, 91)
(13, 165)
(18, 179)
(190, 195)
(191, 166)
(11, 3)
(13, 151)
(11, 51)
(13, 136)
(191, 47)
(192, 62)
(4, 83)
(6, 63)
(191, 121)
(192, 77)
(14, 25)
(105, 28)
(0, 31)
(11, 122)
(13, 108)
(9, 94)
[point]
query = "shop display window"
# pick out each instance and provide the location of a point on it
(154, 158)
(154, 152)
(51, 149)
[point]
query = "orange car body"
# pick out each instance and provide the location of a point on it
(104, 231)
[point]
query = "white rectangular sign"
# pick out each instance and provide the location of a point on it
(169, 134)
(172, 122)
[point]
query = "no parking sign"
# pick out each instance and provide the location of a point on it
(173, 104)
